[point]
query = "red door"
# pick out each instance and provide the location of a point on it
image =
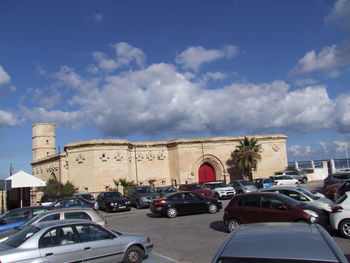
(206, 173)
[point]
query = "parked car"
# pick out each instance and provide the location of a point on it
(268, 207)
(73, 202)
(342, 189)
(57, 214)
(164, 190)
(284, 179)
(301, 177)
(47, 200)
(88, 197)
(113, 201)
(141, 196)
(74, 241)
(197, 188)
(181, 203)
(302, 195)
(243, 186)
(17, 217)
(220, 189)
(340, 218)
(331, 190)
(336, 178)
(263, 182)
(279, 242)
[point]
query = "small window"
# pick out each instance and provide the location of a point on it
(89, 233)
(51, 217)
(47, 141)
(77, 215)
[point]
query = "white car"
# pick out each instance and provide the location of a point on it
(220, 189)
(284, 179)
(340, 218)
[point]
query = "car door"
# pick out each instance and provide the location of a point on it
(276, 210)
(178, 201)
(249, 209)
(60, 244)
(99, 245)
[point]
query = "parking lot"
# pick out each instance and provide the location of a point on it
(192, 238)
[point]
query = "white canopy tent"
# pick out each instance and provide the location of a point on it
(23, 179)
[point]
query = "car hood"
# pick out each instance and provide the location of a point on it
(325, 200)
(8, 233)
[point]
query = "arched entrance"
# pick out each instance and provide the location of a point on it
(206, 173)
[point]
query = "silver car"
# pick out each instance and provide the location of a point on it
(243, 186)
(58, 214)
(301, 194)
(73, 241)
(279, 242)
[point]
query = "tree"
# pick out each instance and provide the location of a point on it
(125, 183)
(116, 183)
(54, 187)
(246, 156)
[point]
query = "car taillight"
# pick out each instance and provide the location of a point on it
(245, 188)
(336, 209)
(161, 202)
(149, 240)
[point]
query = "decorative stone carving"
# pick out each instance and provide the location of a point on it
(129, 157)
(104, 157)
(80, 158)
(119, 156)
(150, 156)
(161, 155)
(66, 165)
(139, 157)
(275, 147)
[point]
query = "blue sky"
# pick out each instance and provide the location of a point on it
(154, 70)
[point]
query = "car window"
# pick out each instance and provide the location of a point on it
(21, 236)
(250, 201)
(294, 195)
(92, 233)
(16, 216)
(57, 236)
(245, 183)
(51, 217)
(77, 215)
(37, 211)
(270, 202)
(176, 197)
(60, 203)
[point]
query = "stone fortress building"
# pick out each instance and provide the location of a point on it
(92, 165)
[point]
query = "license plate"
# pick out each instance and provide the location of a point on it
(122, 206)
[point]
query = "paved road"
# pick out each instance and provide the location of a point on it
(184, 239)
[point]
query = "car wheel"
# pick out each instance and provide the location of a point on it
(212, 208)
(171, 212)
(232, 224)
(344, 228)
(134, 254)
(138, 204)
(304, 180)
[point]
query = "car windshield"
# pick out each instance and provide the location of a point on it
(113, 195)
(144, 190)
(289, 200)
(30, 221)
(246, 183)
(341, 199)
(195, 187)
(18, 238)
(308, 193)
(88, 197)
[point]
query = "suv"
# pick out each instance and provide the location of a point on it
(220, 189)
(279, 242)
(296, 175)
(141, 196)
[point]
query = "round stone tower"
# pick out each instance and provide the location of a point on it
(44, 140)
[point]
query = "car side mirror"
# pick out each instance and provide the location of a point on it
(282, 207)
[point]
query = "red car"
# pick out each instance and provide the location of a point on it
(268, 207)
(197, 188)
(331, 190)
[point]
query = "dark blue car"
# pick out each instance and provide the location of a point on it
(263, 182)
(19, 216)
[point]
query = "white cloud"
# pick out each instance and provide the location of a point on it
(339, 14)
(304, 82)
(299, 150)
(324, 146)
(341, 146)
(7, 119)
(329, 59)
(215, 75)
(48, 101)
(4, 77)
(98, 17)
(194, 57)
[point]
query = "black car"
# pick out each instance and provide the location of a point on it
(336, 178)
(113, 201)
(72, 202)
(141, 196)
(183, 203)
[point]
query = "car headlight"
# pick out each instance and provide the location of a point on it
(311, 213)
(127, 202)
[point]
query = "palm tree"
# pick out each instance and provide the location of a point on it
(246, 156)
(125, 184)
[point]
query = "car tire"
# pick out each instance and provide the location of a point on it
(171, 212)
(138, 204)
(212, 208)
(231, 225)
(304, 180)
(344, 228)
(134, 254)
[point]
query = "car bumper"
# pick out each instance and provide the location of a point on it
(157, 209)
(227, 195)
(119, 208)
